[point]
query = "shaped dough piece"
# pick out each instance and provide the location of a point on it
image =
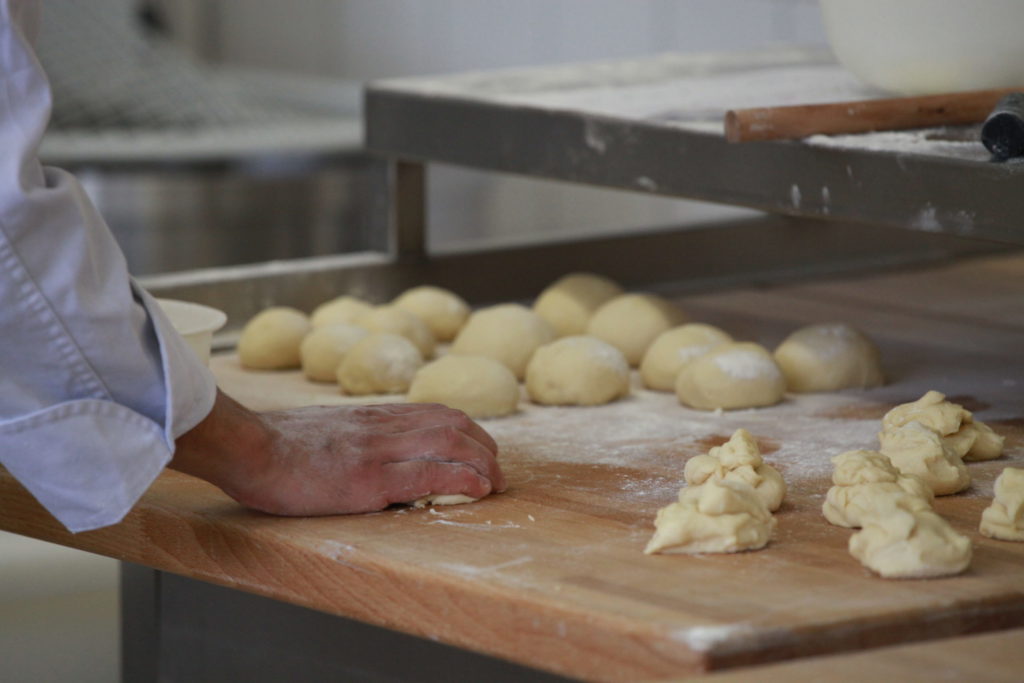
(861, 478)
(478, 386)
(443, 499)
(325, 347)
(579, 371)
(271, 340)
(676, 348)
(739, 459)
(899, 541)
(631, 322)
(344, 309)
(444, 311)
(401, 322)
(381, 363)
(1004, 518)
(737, 375)
(508, 333)
(721, 516)
(829, 357)
(915, 449)
(960, 432)
(569, 302)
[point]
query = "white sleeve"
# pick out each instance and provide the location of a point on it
(95, 385)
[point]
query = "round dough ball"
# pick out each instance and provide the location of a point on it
(508, 333)
(381, 363)
(579, 371)
(397, 321)
(344, 309)
(735, 375)
(443, 311)
(829, 357)
(631, 322)
(270, 341)
(478, 386)
(568, 303)
(674, 349)
(324, 348)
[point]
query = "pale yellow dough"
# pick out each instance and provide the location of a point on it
(568, 303)
(901, 541)
(966, 437)
(381, 363)
(508, 333)
(631, 322)
(720, 516)
(478, 386)
(739, 459)
(1004, 518)
(829, 357)
(443, 499)
(577, 370)
(324, 348)
(444, 311)
(344, 309)
(915, 449)
(732, 376)
(271, 339)
(673, 349)
(401, 322)
(860, 479)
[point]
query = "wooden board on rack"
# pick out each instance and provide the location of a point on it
(551, 574)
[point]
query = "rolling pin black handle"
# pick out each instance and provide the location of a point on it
(1003, 130)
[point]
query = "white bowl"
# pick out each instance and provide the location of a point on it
(920, 47)
(195, 322)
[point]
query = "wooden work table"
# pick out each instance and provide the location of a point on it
(551, 575)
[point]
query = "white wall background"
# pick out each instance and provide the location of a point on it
(365, 39)
(369, 39)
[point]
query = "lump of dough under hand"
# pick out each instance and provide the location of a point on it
(915, 449)
(720, 516)
(739, 459)
(325, 347)
(569, 302)
(443, 311)
(960, 432)
(401, 322)
(829, 357)
(1004, 518)
(674, 349)
(861, 479)
(443, 499)
(381, 363)
(508, 333)
(580, 371)
(737, 375)
(478, 386)
(344, 309)
(900, 541)
(271, 340)
(631, 322)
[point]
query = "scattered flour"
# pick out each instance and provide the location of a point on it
(742, 364)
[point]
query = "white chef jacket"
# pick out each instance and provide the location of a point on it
(95, 384)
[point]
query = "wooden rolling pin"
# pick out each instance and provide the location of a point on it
(799, 121)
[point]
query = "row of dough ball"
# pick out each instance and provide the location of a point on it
(375, 350)
(889, 493)
(274, 339)
(702, 364)
(708, 370)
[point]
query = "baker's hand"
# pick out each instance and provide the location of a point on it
(323, 461)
